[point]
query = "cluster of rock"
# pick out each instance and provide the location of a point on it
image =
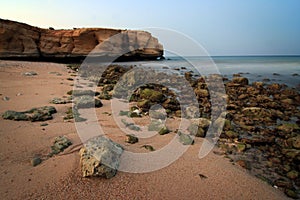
(22, 41)
(263, 126)
(261, 131)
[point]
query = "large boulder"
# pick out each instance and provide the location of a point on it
(100, 156)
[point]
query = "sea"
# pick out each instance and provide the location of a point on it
(268, 69)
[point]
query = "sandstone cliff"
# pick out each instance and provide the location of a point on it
(22, 41)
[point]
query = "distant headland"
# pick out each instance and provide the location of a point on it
(19, 41)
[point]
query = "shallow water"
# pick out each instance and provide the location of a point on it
(269, 69)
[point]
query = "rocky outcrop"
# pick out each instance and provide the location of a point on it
(22, 41)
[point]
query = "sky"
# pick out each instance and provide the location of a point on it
(222, 27)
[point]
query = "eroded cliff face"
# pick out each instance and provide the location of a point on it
(22, 41)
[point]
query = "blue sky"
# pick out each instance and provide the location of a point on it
(222, 27)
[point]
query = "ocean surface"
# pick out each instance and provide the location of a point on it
(268, 69)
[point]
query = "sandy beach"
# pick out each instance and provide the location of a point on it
(59, 177)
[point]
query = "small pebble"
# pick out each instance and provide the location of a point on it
(5, 98)
(36, 161)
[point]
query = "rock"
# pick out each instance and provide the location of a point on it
(292, 174)
(5, 98)
(72, 113)
(245, 164)
(32, 73)
(196, 130)
(201, 92)
(171, 104)
(14, 115)
(240, 80)
(34, 114)
(131, 126)
(77, 93)
(36, 161)
(164, 130)
(291, 153)
(57, 100)
(288, 128)
(157, 115)
(203, 123)
(105, 95)
(144, 105)
(285, 183)
(291, 193)
(258, 140)
(22, 41)
(148, 147)
(155, 125)
(241, 147)
(192, 112)
(60, 144)
(227, 125)
(131, 139)
(185, 139)
(100, 156)
(86, 101)
(152, 95)
(231, 134)
(296, 142)
(135, 113)
(258, 85)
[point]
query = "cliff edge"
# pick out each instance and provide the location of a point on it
(24, 42)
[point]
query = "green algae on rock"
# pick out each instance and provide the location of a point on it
(35, 114)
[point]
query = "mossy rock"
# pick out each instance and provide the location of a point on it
(57, 100)
(148, 147)
(241, 147)
(155, 125)
(86, 101)
(60, 144)
(35, 114)
(291, 193)
(72, 113)
(227, 125)
(185, 139)
(152, 95)
(132, 139)
(164, 130)
(14, 115)
(231, 134)
(197, 131)
(292, 174)
(82, 93)
(134, 114)
(145, 104)
(288, 127)
(105, 95)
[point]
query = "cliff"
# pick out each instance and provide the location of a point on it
(24, 42)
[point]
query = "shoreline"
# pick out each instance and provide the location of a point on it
(65, 169)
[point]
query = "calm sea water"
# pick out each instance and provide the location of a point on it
(269, 69)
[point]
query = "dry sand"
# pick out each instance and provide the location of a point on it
(59, 177)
